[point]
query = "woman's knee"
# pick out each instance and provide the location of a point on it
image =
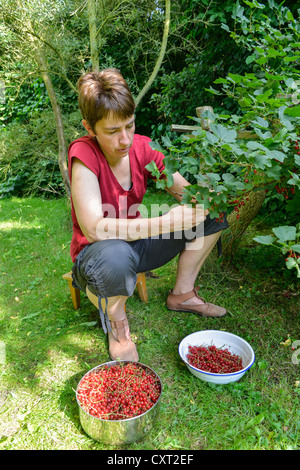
(120, 257)
(111, 270)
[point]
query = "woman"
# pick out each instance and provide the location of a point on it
(111, 242)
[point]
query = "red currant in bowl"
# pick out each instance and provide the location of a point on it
(216, 356)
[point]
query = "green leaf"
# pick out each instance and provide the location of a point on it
(293, 58)
(161, 184)
(88, 323)
(213, 176)
(285, 233)
(221, 80)
(250, 59)
(224, 26)
(291, 263)
(235, 77)
(263, 97)
(263, 135)
(254, 4)
(256, 420)
(152, 168)
(265, 239)
(211, 138)
(259, 5)
(276, 154)
(273, 77)
(285, 119)
(170, 165)
(210, 160)
(294, 111)
(292, 205)
(295, 180)
(224, 134)
(221, 196)
(290, 83)
(278, 137)
(213, 91)
(227, 177)
(253, 145)
(32, 315)
(238, 11)
(262, 60)
(170, 180)
(261, 161)
(295, 248)
(274, 52)
(261, 122)
(166, 141)
(297, 160)
(245, 102)
(156, 146)
(289, 16)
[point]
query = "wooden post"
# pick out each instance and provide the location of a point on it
(205, 122)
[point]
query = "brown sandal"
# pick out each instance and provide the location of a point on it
(121, 346)
(175, 302)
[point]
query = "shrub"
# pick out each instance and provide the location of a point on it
(29, 155)
(257, 148)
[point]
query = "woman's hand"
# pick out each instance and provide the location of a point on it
(183, 217)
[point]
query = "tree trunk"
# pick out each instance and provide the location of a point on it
(62, 150)
(93, 34)
(161, 54)
(237, 227)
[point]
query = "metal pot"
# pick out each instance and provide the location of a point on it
(123, 431)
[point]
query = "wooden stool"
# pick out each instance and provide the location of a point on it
(75, 292)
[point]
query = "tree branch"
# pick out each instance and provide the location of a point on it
(161, 54)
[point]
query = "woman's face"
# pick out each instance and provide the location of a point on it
(114, 136)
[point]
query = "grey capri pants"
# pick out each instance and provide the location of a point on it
(109, 267)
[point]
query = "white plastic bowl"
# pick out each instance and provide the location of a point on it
(220, 339)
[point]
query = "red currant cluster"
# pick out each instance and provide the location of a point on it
(297, 147)
(119, 392)
(221, 217)
(237, 205)
(292, 255)
(285, 191)
(213, 359)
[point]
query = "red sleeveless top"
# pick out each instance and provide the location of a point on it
(117, 202)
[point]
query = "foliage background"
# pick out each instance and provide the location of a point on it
(199, 51)
(47, 45)
(48, 345)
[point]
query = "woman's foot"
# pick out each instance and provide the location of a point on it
(191, 302)
(121, 346)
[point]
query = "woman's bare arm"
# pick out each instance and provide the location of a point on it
(179, 183)
(87, 202)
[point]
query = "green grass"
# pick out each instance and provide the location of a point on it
(49, 346)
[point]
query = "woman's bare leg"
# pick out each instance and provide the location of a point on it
(121, 345)
(190, 262)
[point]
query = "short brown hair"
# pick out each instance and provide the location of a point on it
(102, 92)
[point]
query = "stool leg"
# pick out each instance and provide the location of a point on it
(75, 295)
(92, 297)
(142, 287)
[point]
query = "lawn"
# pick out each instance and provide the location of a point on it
(46, 346)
